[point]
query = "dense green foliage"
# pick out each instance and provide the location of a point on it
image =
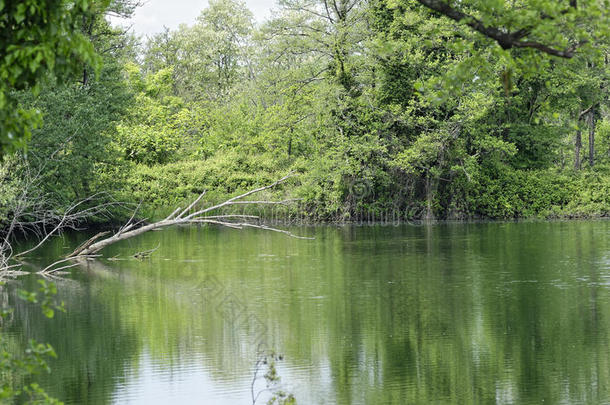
(558, 28)
(37, 38)
(383, 109)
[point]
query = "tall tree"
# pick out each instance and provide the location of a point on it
(209, 57)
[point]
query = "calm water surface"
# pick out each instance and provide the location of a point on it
(512, 313)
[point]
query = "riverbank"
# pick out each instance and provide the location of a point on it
(157, 190)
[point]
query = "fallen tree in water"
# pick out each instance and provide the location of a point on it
(194, 213)
(189, 215)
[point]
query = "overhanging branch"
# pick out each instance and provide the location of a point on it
(506, 40)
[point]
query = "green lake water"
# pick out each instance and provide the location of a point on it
(506, 313)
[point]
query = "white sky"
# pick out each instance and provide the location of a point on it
(154, 14)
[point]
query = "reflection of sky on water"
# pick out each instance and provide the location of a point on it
(193, 382)
(188, 382)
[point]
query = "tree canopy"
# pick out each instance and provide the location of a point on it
(38, 39)
(557, 28)
(427, 109)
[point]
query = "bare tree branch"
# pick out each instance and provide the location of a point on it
(182, 217)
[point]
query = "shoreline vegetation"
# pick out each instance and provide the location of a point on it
(385, 112)
(528, 195)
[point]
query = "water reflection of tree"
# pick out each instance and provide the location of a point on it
(457, 314)
(94, 348)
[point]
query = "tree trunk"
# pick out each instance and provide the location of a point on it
(88, 29)
(429, 197)
(577, 146)
(591, 137)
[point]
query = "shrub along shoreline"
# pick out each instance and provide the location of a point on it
(520, 194)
